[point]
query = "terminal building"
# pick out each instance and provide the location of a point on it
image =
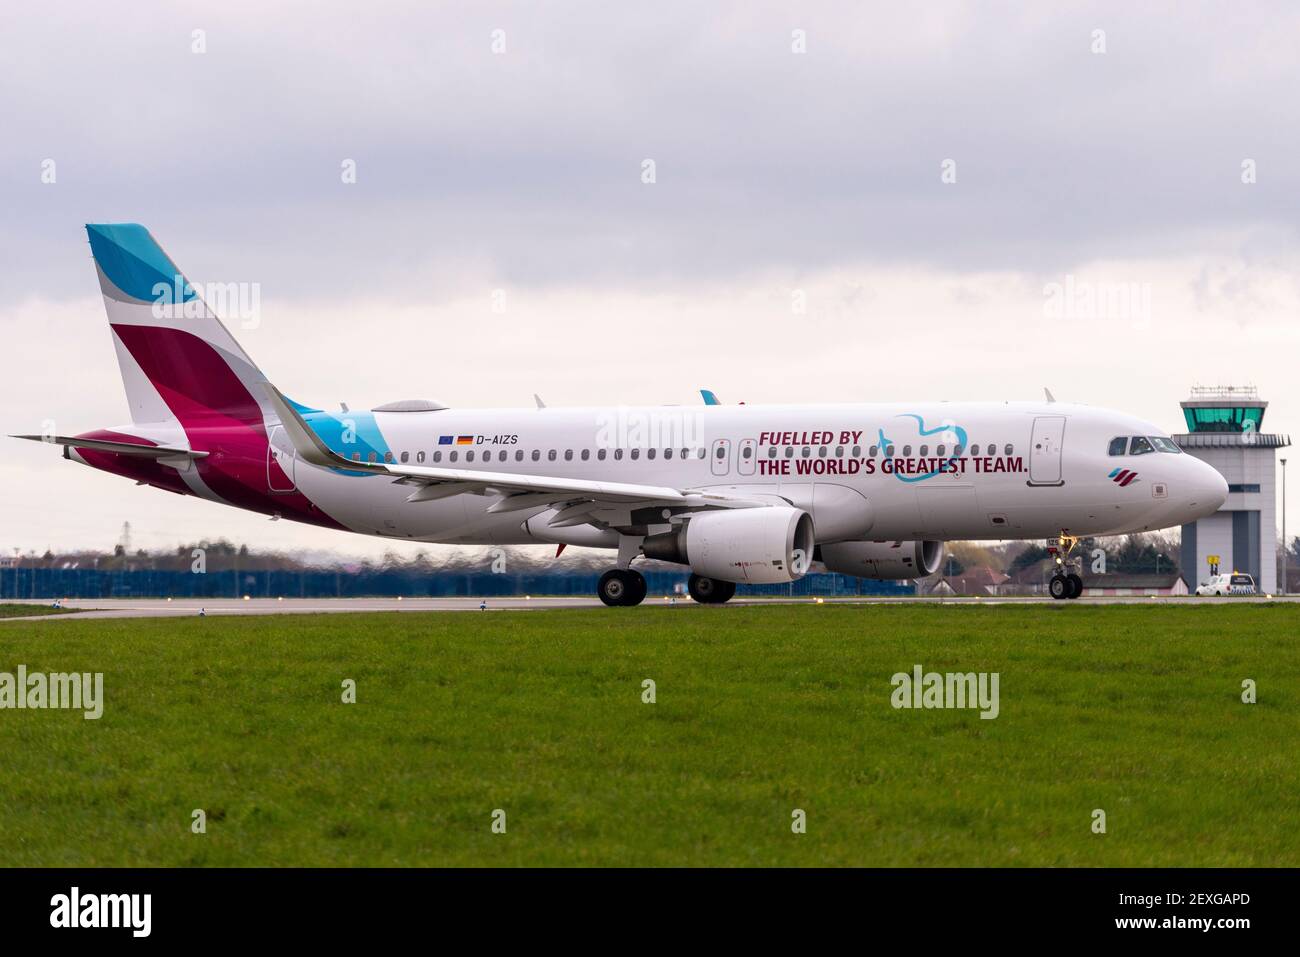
(1224, 429)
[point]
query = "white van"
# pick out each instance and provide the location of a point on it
(1234, 584)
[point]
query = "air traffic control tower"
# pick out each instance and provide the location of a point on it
(1224, 430)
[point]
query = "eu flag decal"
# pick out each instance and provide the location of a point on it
(444, 440)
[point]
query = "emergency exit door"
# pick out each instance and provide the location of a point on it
(1045, 450)
(279, 464)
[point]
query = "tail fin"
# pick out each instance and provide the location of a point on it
(177, 360)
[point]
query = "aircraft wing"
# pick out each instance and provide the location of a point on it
(522, 490)
(121, 448)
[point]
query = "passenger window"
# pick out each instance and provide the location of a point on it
(636, 454)
(406, 457)
(957, 450)
(437, 456)
(939, 450)
(537, 455)
(649, 453)
(871, 452)
(839, 451)
(668, 453)
(419, 457)
(568, 455)
(519, 455)
(821, 452)
(586, 454)
(771, 451)
(371, 457)
(925, 450)
(452, 456)
(789, 451)
(618, 454)
(907, 451)
(1139, 445)
(857, 451)
(550, 455)
(600, 454)
(975, 449)
(1118, 445)
(388, 458)
(807, 452)
(469, 456)
(1008, 450)
(356, 456)
(889, 451)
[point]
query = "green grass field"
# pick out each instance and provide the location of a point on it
(1135, 710)
(13, 609)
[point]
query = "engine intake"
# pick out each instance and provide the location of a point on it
(756, 545)
(885, 560)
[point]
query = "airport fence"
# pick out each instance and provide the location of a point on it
(379, 583)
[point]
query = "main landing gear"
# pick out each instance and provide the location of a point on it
(1066, 583)
(621, 587)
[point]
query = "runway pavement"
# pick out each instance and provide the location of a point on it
(188, 607)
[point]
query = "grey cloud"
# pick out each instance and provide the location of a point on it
(527, 164)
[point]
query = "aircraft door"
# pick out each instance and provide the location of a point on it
(1045, 450)
(279, 464)
(746, 461)
(720, 456)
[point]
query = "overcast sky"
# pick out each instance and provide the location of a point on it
(923, 177)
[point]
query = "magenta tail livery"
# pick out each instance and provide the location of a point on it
(739, 493)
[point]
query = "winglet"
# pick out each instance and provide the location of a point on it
(1048, 392)
(709, 397)
(538, 399)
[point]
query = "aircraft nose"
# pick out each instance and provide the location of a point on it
(1209, 489)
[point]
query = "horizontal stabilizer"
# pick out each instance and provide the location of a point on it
(121, 448)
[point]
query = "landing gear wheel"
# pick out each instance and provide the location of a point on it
(1059, 587)
(1076, 585)
(638, 588)
(621, 587)
(709, 591)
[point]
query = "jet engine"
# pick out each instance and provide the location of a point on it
(882, 559)
(756, 545)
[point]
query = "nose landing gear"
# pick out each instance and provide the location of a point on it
(1066, 583)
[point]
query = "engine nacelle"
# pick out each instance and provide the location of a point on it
(883, 559)
(755, 545)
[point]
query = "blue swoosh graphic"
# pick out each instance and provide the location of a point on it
(923, 431)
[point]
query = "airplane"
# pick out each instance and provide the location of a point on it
(737, 493)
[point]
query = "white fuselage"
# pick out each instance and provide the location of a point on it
(943, 471)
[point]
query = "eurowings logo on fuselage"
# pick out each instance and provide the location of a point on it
(1122, 477)
(922, 431)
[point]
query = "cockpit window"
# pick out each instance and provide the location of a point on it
(1118, 445)
(1139, 445)
(1163, 444)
